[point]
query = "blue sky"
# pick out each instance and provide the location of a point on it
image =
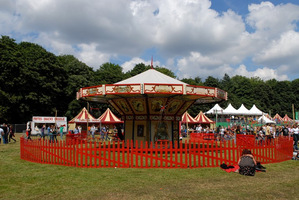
(192, 38)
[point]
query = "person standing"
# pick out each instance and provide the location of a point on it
(49, 132)
(29, 132)
(92, 130)
(61, 132)
(11, 133)
(103, 132)
(268, 134)
(295, 136)
(76, 130)
(42, 131)
(1, 134)
(7, 133)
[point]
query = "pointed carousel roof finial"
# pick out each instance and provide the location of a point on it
(152, 63)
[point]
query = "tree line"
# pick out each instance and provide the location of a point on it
(35, 82)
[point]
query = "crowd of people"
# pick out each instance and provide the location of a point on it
(7, 133)
(264, 133)
(104, 132)
(51, 131)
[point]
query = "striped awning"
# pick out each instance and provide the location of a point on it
(186, 118)
(83, 117)
(277, 117)
(109, 118)
(203, 119)
(286, 118)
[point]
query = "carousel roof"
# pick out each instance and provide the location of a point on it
(83, 117)
(147, 93)
(186, 118)
(286, 118)
(151, 76)
(203, 119)
(109, 118)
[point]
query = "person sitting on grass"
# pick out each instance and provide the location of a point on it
(247, 163)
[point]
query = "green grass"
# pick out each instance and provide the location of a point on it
(21, 179)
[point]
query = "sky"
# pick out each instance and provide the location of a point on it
(192, 38)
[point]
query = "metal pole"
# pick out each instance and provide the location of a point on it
(293, 108)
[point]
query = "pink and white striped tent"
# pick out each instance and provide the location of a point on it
(187, 118)
(203, 119)
(109, 118)
(83, 117)
(286, 118)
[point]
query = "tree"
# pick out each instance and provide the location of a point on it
(195, 81)
(211, 82)
(165, 71)
(139, 68)
(109, 73)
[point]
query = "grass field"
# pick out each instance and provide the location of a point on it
(21, 179)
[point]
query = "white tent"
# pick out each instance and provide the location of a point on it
(264, 120)
(230, 110)
(216, 109)
(255, 111)
(243, 110)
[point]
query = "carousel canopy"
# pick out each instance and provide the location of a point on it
(83, 117)
(215, 109)
(145, 94)
(186, 118)
(286, 118)
(109, 118)
(202, 119)
(255, 111)
(277, 117)
(151, 76)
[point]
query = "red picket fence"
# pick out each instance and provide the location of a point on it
(88, 154)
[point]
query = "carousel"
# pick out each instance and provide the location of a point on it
(151, 104)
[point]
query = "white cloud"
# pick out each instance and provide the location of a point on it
(192, 38)
(281, 51)
(263, 73)
(129, 65)
(89, 55)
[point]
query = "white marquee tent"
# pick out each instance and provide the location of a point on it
(255, 111)
(243, 110)
(230, 110)
(216, 109)
(264, 120)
